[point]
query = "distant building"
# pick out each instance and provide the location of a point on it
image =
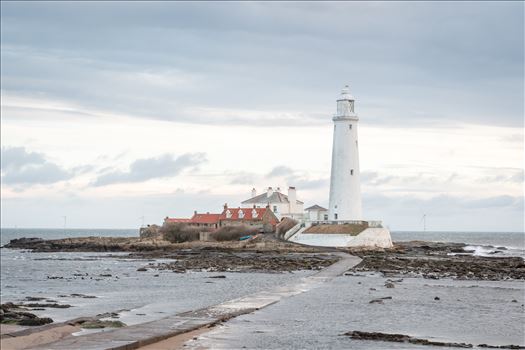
(197, 220)
(262, 218)
(281, 205)
(316, 213)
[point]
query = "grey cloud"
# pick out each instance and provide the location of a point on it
(410, 63)
(243, 179)
(307, 184)
(505, 175)
(150, 168)
(280, 170)
(444, 212)
(497, 201)
(22, 167)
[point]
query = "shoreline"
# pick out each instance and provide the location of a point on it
(417, 259)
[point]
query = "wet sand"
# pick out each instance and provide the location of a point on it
(38, 338)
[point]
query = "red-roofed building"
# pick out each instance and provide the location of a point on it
(205, 220)
(262, 218)
(168, 220)
(198, 220)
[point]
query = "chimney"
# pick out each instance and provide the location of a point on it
(254, 192)
(269, 192)
(225, 206)
(278, 189)
(195, 212)
(292, 198)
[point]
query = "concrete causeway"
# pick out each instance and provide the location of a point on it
(135, 336)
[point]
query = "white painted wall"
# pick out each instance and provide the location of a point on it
(345, 187)
(371, 237)
(316, 215)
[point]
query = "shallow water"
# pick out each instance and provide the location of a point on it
(146, 296)
(472, 312)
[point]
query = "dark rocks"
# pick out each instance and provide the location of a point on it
(436, 298)
(16, 314)
(243, 261)
(486, 346)
(77, 295)
(35, 298)
(376, 301)
(37, 321)
(53, 305)
(402, 338)
(389, 285)
(379, 300)
(218, 276)
(432, 261)
(142, 269)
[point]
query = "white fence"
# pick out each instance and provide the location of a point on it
(348, 222)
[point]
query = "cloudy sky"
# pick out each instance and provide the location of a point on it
(114, 111)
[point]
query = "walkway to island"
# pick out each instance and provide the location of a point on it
(136, 336)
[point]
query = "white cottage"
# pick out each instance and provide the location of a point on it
(316, 213)
(282, 205)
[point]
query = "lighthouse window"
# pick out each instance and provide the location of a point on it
(350, 126)
(335, 216)
(352, 172)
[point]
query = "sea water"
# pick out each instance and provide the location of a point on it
(470, 311)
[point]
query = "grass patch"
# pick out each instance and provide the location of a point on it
(102, 324)
(349, 229)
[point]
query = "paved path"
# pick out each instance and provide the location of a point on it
(133, 337)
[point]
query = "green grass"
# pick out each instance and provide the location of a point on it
(102, 324)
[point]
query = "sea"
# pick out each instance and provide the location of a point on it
(490, 312)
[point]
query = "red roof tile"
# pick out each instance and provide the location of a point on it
(175, 220)
(247, 214)
(205, 219)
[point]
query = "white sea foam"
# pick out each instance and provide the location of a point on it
(491, 251)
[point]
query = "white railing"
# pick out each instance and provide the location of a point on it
(348, 222)
(292, 231)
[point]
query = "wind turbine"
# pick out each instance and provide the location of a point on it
(424, 220)
(65, 221)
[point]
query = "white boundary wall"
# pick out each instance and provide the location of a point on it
(371, 237)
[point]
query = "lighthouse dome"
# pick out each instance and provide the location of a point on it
(345, 94)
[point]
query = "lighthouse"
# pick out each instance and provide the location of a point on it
(345, 186)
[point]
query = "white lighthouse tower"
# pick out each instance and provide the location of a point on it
(345, 186)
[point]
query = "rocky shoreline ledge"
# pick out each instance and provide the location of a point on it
(434, 260)
(430, 260)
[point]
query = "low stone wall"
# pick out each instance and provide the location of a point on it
(370, 237)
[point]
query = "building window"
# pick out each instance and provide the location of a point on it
(335, 216)
(275, 209)
(350, 126)
(352, 172)
(326, 216)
